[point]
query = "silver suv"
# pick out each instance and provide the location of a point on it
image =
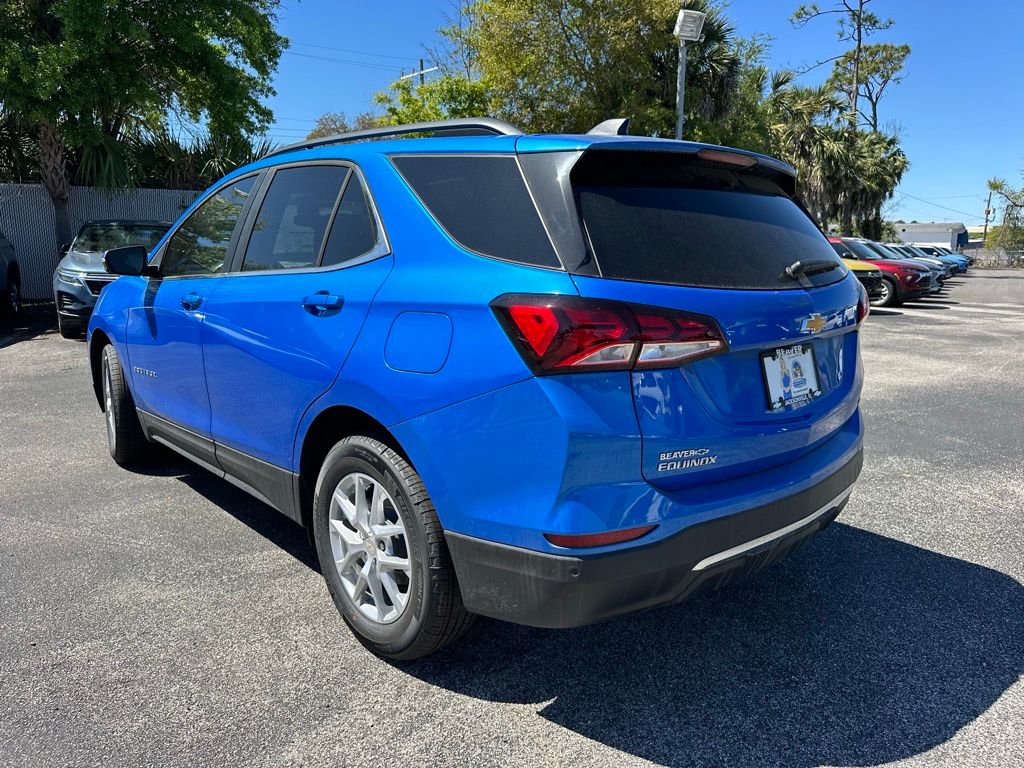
(80, 275)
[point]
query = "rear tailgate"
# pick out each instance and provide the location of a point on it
(715, 241)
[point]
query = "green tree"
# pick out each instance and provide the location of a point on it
(331, 123)
(161, 159)
(566, 65)
(1010, 234)
(448, 96)
(881, 65)
(860, 177)
(81, 73)
(855, 23)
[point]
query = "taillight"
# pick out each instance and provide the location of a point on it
(863, 305)
(560, 334)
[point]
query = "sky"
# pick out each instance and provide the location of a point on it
(959, 109)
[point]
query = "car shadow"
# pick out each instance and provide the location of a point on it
(261, 518)
(942, 301)
(925, 305)
(879, 311)
(858, 651)
(34, 320)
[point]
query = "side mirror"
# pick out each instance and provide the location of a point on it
(130, 260)
(63, 250)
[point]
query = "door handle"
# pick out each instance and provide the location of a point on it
(191, 301)
(322, 302)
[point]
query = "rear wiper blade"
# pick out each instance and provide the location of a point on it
(799, 269)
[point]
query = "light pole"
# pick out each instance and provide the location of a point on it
(688, 26)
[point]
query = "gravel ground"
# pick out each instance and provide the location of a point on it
(168, 619)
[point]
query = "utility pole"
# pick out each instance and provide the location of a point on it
(988, 211)
(419, 73)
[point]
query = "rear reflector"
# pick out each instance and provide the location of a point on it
(578, 541)
(562, 334)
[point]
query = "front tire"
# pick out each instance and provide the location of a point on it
(383, 553)
(888, 297)
(125, 438)
(68, 329)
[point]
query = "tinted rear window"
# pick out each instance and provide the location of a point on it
(482, 202)
(659, 218)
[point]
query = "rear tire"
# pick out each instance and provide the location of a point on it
(383, 553)
(125, 438)
(10, 307)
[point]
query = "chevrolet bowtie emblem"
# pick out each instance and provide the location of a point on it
(814, 323)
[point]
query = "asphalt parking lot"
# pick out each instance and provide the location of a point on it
(166, 618)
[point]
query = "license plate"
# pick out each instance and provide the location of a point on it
(790, 376)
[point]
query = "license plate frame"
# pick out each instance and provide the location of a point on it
(802, 389)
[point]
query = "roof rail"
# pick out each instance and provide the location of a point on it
(462, 126)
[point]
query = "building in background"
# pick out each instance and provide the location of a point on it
(945, 234)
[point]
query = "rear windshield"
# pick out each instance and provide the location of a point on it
(661, 218)
(97, 238)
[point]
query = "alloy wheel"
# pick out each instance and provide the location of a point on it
(884, 299)
(108, 406)
(370, 547)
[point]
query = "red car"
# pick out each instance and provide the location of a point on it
(900, 281)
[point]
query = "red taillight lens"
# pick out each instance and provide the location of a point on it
(558, 334)
(602, 539)
(863, 305)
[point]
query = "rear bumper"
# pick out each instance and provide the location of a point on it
(547, 590)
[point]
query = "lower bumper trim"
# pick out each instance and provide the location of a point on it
(548, 590)
(760, 541)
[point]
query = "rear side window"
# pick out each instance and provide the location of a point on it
(293, 218)
(482, 202)
(660, 218)
(354, 231)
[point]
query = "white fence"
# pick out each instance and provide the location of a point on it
(998, 257)
(26, 219)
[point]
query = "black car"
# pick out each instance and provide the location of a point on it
(10, 280)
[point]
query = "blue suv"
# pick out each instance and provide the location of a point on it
(548, 379)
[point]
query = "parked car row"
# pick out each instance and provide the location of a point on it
(893, 273)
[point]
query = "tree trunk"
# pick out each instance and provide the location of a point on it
(53, 174)
(859, 25)
(846, 218)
